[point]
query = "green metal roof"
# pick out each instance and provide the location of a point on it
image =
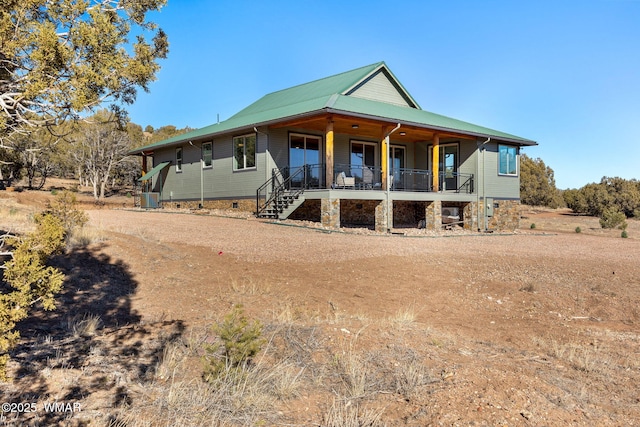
(329, 95)
(153, 171)
(412, 116)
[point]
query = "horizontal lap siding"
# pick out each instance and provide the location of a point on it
(220, 181)
(467, 158)
(341, 150)
(279, 147)
(500, 187)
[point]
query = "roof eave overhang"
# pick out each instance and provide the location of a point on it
(328, 110)
(517, 141)
(148, 151)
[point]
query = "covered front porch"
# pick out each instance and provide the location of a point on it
(364, 177)
(377, 154)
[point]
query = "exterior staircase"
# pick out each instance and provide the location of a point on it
(282, 199)
(282, 206)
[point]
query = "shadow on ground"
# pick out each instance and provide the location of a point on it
(93, 343)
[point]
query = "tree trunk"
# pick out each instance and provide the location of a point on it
(103, 185)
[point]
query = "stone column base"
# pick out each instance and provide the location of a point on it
(433, 215)
(330, 213)
(384, 216)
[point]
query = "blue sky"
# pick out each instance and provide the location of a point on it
(563, 73)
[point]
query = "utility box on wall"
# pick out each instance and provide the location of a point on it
(488, 206)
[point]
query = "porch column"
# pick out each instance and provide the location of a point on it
(384, 156)
(328, 156)
(433, 215)
(330, 213)
(144, 164)
(435, 162)
(383, 216)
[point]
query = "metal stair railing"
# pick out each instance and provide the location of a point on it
(280, 184)
(466, 187)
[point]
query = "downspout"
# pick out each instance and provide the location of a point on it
(267, 160)
(388, 190)
(482, 148)
(201, 176)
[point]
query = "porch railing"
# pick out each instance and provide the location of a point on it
(456, 181)
(411, 180)
(366, 177)
(310, 177)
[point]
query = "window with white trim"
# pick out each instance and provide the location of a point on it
(508, 162)
(244, 152)
(207, 155)
(179, 159)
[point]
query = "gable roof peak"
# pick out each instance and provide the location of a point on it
(345, 83)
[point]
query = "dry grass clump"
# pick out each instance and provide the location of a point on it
(85, 326)
(238, 394)
(354, 373)
(410, 375)
(84, 236)
(403, 318)
(242, 395)
(15, 217)
(249, 286)
(346, 414)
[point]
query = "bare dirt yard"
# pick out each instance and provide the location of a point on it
(540, 327)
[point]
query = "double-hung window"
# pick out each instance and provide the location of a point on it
(207, 155)
(508, 163)
(179, 159)
(244, 152)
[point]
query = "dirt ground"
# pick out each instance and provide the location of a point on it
(540, 327)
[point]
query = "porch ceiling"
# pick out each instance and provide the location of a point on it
(366, 128)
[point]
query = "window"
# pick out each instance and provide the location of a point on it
(508, 160)
(179, 159)
(244, 149)
(363, 161)
(363, 154)
(207, 155)
(305, 150)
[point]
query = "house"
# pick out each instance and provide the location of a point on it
(351, 149)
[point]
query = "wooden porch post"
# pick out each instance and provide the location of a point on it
(328, 157)
(144, 164)
(435, 162)
(384, 159)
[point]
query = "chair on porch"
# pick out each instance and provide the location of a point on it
(367, 178)
(344, 181)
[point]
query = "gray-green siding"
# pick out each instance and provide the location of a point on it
(222, 182)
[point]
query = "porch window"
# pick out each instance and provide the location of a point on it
(179, 159)
(508, 160)
(244, 149)
(363, 163)
(306, 150)
(207, 155)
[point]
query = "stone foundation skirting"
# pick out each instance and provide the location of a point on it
(244, 205)
(506, 215)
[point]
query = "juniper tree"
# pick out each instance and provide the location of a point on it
(62, 58)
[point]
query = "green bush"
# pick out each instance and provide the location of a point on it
(537, 184)
(595, 198)
(624, 234)
(532, 226)
(64, 207)
(28, 280)
(241, 341)
(578, 230)
(612, 218)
